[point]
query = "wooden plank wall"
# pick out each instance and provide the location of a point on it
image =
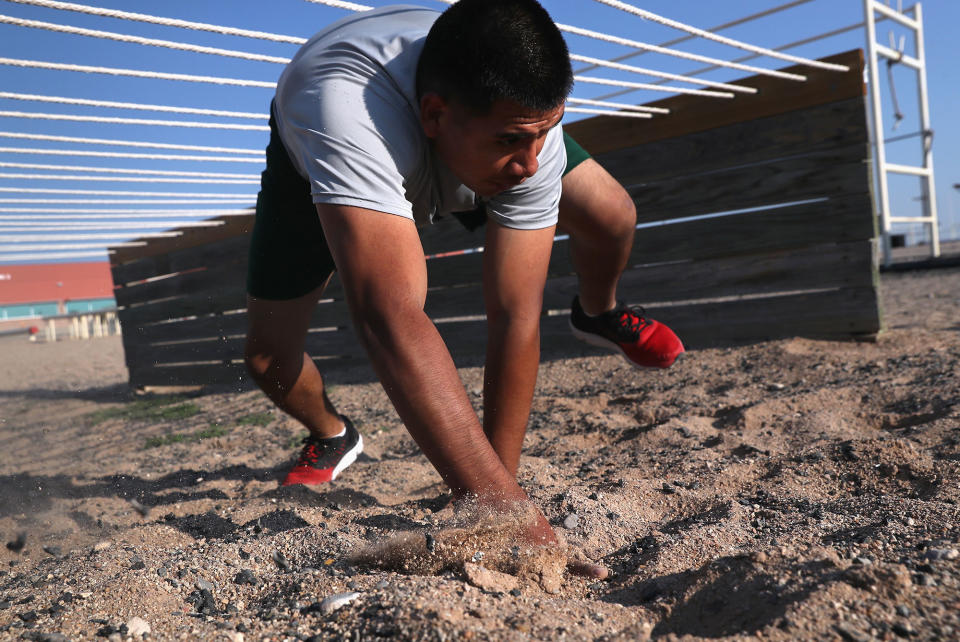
(755, 223)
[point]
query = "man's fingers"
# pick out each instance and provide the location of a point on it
(588, 569)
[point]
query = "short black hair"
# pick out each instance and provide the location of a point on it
(482, 51)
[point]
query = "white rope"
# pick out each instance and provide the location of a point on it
(74, 152)
(763, 51)
(167, 22)
(61, 214)
(85, 226)
(607, 112)
(349, 6)
(132, 121)
(118, 170)
(53, 238)
(18, 247)
(596, 35)
(128, 179)
(113, 201)
(135, 73)
(716, 28)
(118, 105)
(130, 143)
(603, 103)
(798, 43)
(94, 192)
(6, 258)
(152, 42)
(643, 85)
(598, 62)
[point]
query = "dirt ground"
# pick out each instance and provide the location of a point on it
(788, 490)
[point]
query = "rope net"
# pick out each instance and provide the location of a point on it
(121, 170)
(131, 143)
(155, 151)
(132, 121)
(121, 105)
(109, 214)
(76, 152)
(166, 22)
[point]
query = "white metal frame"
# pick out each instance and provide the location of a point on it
(929, 194)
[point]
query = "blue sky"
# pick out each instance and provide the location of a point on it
(301, 18)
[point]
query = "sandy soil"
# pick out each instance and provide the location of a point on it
(789, 490)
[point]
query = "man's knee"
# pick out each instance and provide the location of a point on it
(265, 360)
(624, 212)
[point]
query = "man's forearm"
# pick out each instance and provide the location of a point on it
(421, 380)
(510, 376)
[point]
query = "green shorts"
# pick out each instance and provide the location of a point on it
(289, 256)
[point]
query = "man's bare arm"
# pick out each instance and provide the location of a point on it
(514, 270)
(383, 271)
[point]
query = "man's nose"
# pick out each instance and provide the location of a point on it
(524, 162)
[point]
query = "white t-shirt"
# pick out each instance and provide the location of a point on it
(348, 115)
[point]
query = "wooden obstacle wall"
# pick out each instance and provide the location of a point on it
(756, 223)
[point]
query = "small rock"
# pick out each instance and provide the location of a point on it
(53, 551)
(49, 637)
(203, 584)
(903, 611)
(863, 561)
(337, 601)
(477, 556)
(903, 631)
(668, 488)
(246, 576)
(282, 563)
(17, 545)
(203, 602)
(922, 579)
(136, 564)
(491, 581)
(431, 542)
(137, 627)
(774, 387)
(140, 508)
(28, 616)
(909, 521)
(571, 521)
(849, 634)
(101, 546)
(939, 554)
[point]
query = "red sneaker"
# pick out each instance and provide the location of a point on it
(643, 342)
(321, 460)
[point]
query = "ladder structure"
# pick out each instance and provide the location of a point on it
(912, 19)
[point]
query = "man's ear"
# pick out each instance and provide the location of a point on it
(432, 110)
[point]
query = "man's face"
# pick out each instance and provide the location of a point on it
(490, 153)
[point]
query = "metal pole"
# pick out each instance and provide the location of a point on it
(928, 185)
(879, 153)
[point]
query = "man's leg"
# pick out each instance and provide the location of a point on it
(600, 218)
(277, 362)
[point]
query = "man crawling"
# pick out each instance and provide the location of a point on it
(383, 122)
